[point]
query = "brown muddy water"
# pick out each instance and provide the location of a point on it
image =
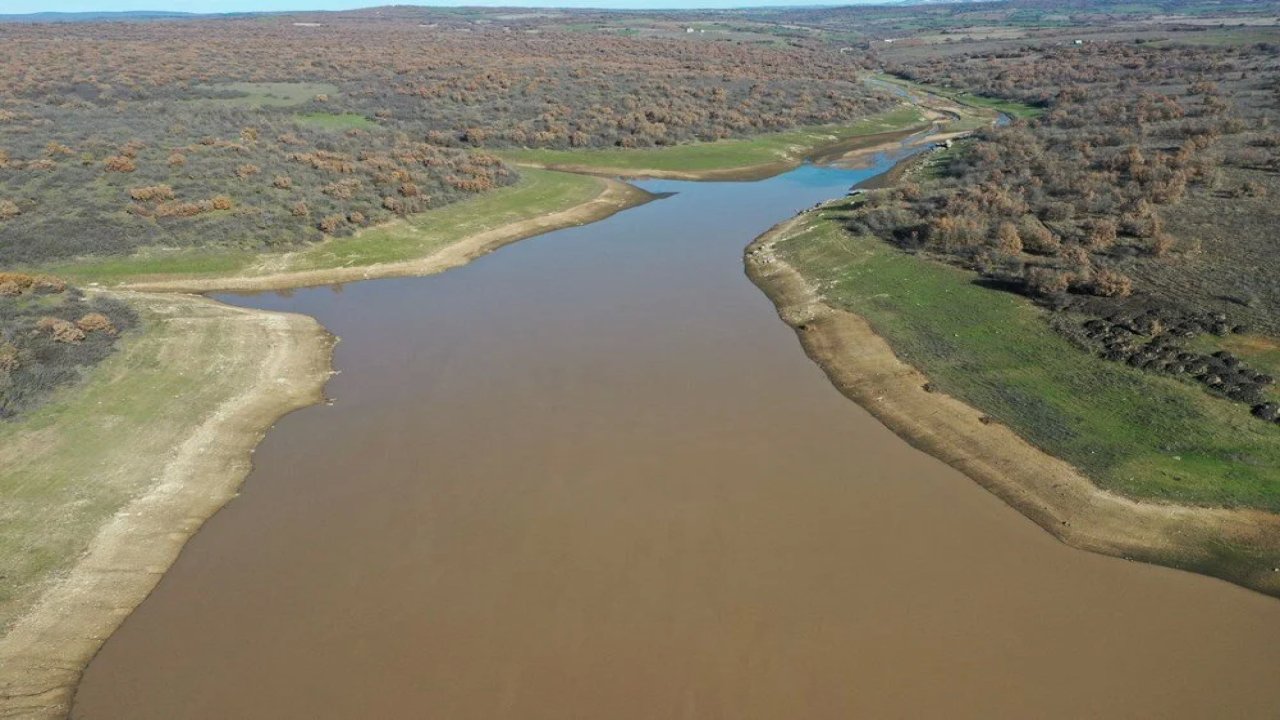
(593, 476)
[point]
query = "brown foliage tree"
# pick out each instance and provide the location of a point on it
(1109, 283)
(1007, 240)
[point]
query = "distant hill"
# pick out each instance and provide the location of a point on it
(94, 16)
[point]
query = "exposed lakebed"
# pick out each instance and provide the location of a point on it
(592, 475)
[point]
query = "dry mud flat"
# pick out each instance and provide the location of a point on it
(1047, 490)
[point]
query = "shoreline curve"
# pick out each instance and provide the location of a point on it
(614, 197)
(47, 648)
(1045, 489)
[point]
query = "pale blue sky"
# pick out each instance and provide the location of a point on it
(28, 6)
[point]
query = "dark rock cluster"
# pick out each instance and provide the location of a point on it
(1152, 341)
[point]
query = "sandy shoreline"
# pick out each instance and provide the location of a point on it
(1045, 489)
(42, 656)
(615, 196)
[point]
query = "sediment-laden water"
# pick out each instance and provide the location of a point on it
(593, 476)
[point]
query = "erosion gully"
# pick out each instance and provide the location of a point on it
(592, 475)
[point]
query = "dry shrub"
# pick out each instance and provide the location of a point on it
(300, 209)
(1046, 281)
(96, 322)
(9, 209)
(342, 189)
(1109, 283)
(120, 164)
(282, 182)
(356, 218)
(177, 159)
(21, 281)
(9, 360)
(1161, 244)
(10, 289)
(247, 170)
(62, 331)
(331, 223)
(48, 284)
(148, 193)
(1039, 239)
(131, 148)
(1102, 234)
(221, 202)
(1007, 240)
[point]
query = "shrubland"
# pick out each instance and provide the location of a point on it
(1134, 205)
(50, 334)
(266, 133)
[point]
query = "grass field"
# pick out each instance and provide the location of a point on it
(1011, 108)
(1141, 435)
(75, 461)
(724, 155)
(537, 192)
(335, 121)
(269, 94)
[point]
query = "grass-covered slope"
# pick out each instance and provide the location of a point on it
(723, 158)
(102, 484)
(538, 192)
(1141, 435)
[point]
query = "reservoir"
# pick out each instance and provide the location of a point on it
(592, 475)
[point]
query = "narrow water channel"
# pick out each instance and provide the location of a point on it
(593, 476)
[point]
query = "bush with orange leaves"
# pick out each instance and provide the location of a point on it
(63, 331)
(1109, 283)
(13, 284)
(96, 322)
(331, 223)
(119, 164)
(147, 193)
(49, 334)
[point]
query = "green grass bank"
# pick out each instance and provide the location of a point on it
(1142, 436)
(537, 193)
(724, 159)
